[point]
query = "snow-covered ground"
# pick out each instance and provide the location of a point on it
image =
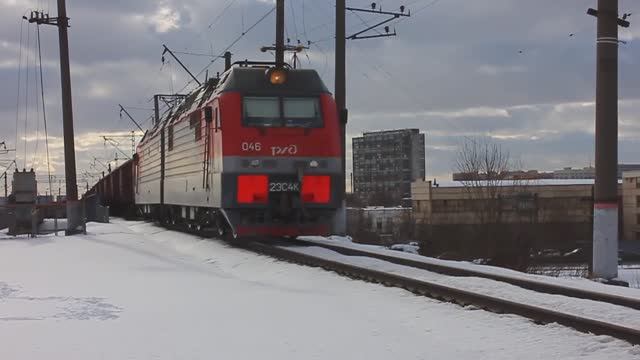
(630, 274)
(131, 290)
(584, 308)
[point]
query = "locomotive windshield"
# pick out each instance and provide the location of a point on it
(282, 112)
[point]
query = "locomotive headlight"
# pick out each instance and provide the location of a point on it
(277, 76)
(313, 164)
(255, 163)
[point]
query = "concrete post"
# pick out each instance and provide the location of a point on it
(605, 222)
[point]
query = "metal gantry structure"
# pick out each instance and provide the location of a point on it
(393, 15)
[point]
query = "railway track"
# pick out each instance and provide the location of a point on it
(540, 315)
(538, 286)
(285, 249)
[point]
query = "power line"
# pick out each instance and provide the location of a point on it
(193, 53)
(304, 22)
(37, 106)
(138, 108)
(19, 85)
(26, 101)
(230, 46)
(44, 113)
(293, 15)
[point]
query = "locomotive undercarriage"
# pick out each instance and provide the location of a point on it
(278, 221)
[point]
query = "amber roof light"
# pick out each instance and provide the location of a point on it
(277, 76)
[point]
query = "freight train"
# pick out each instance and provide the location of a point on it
(253, 152)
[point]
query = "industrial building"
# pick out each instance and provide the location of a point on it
(590, 172)
(385, 163)
(477, 220)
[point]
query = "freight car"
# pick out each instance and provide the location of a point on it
(116, 191)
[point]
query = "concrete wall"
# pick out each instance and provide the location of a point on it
(542, 203)
(379, 225)
(473, 223)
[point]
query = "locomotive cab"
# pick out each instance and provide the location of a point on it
(281, 151)
(254, 153)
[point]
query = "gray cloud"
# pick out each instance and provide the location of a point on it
(455, 70)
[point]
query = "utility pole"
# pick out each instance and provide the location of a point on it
(605, 221)
(280, 48)
(67, 108)
(279, 33)
(62, 22)
(341, 84)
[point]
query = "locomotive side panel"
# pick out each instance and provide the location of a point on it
(186, 167)
(149, 172)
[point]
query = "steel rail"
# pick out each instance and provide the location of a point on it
(445, 293)
(538, 286)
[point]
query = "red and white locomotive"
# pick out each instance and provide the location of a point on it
(254, 152)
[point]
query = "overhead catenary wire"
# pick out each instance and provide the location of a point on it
(233, 43)
(304, 22)
(293, 17)
(34, 159)
(44, 112)
(26, 101)
(19, 88)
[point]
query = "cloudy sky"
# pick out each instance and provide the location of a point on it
(502, 69)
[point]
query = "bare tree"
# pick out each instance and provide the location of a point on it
(484, 167)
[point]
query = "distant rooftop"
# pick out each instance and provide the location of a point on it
(537, 182)
(391, 132)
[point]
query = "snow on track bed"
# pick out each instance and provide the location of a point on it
(596, 310)
(130, 290)
(574, 283)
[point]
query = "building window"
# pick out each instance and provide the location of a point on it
(379, 224)
(638, 235)
(637, 219)
(638, 201)
(170, 137)
(637, 183)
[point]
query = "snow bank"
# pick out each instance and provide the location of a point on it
(130, 290)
